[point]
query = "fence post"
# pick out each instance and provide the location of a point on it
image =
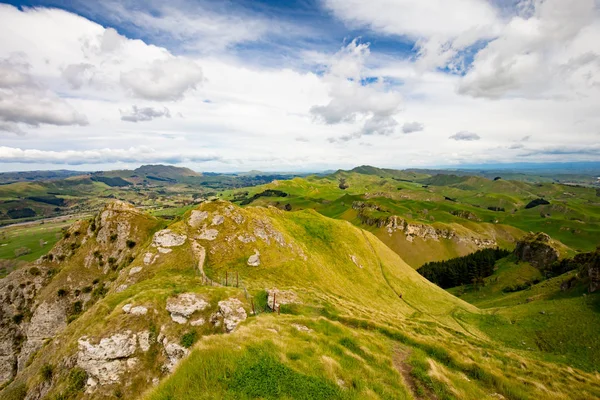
(237, 279)
(252, 303)
(274, 298)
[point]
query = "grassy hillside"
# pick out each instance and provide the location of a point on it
(558, 324)
(471, 206)
(363, 324)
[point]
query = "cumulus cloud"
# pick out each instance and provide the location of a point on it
(167, 79)
(24, 101)
(137, 114)
(77, 75)
(410, 127)
(465, 136)
(140, 154)
(352, 96)
(551, 51)
(440, 28)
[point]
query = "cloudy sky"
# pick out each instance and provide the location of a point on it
(297, 85)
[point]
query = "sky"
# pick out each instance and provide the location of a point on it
(300, 85)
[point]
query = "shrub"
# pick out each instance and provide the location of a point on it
(130, 243)
(46, 372)
(18, 318)
(537, 202)
(77, 379)
(113, 237)
(62, 292)
(86, 289)
(35, 271)
(188, 339)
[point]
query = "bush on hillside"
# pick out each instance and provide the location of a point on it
(17, 213)
(536, 202)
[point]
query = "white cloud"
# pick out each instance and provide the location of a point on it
(410, 127)
(352, 98)
(166, 79)
(137, 114)
(252, 115)
(552, 53)
(440, 28)
(25, 101)
(78, 74)
(465, 136)
(140, 154)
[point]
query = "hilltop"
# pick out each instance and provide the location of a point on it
(250, 302)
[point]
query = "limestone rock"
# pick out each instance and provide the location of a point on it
(138, 310)
(121, 288)
(280, 297)
(168, 238)
(134, 270)
(231, 312)
(174, 354)
(198, 322)
(184, 305)
(254, 260)
(47, 320)
(106, 361)
(246, 238)
(144, 340)
(218, 219)
(208, 234)
(197, 217)
(149, 258)
(302, 328)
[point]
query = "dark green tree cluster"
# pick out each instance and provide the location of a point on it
(471, 268)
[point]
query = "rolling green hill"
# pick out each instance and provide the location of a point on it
(255, 302)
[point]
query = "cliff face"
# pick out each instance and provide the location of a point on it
(537, 249)
(394, 223)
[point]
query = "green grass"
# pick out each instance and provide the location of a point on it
(37, 237)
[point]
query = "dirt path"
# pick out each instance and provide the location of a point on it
(399, 360)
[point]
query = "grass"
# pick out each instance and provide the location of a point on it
(338, 343)
(39, 238)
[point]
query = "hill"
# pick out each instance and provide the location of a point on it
(438, 217)
(231, 302)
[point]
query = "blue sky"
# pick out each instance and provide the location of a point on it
(297, 85)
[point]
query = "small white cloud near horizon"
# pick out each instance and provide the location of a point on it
(465, 136)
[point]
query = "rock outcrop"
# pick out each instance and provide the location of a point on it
(167, 238)
(230, 313)
(174, 353)
(17, 295)
(254, 259)
(536, 249)
(108, 360)
(48, 319)
(276, 297)
(183, 306)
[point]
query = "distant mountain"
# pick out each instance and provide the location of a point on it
(30, 176)
(153, 174)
